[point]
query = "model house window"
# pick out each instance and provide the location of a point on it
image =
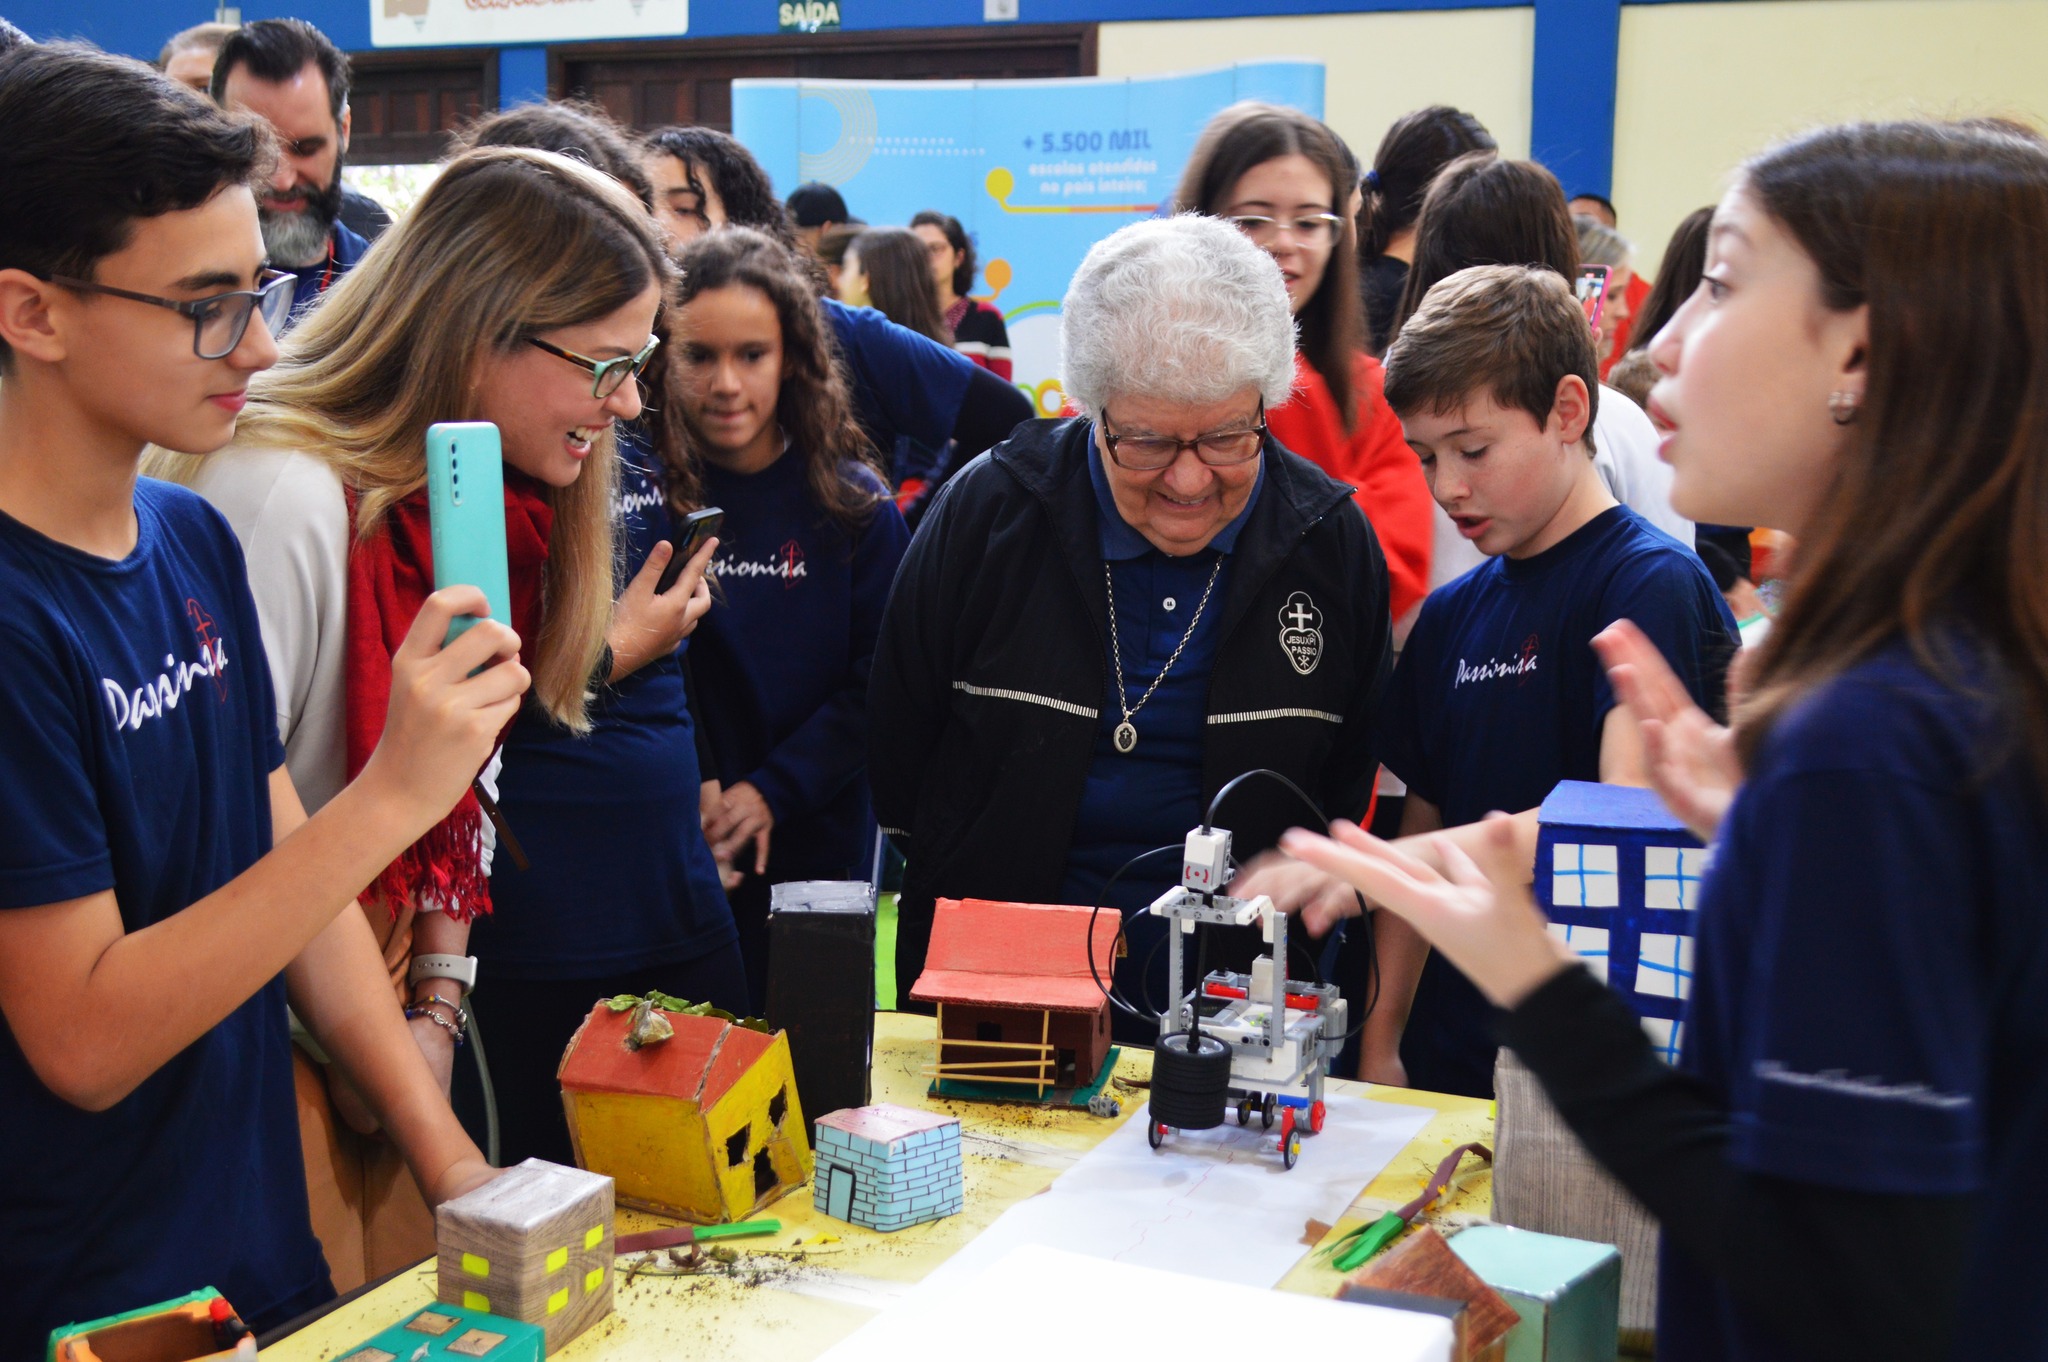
(1585, 876)
(1664, 967)
(1671, 876)
(1665, 1037)
(778, 1107)
(1590, 942)
(736, 1147)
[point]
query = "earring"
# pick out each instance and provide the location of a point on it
(1842, 406)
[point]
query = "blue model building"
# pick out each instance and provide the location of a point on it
(887, 1167)
(1619, 879)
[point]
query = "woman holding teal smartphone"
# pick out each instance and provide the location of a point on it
(522, 290)
(621, 894)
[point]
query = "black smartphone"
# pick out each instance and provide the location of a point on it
(698, 526)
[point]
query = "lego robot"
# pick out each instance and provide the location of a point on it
(1264, 1047)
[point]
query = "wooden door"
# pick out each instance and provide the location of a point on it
(406, 105)
(652, 84)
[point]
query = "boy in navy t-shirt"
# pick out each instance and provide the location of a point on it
(149, 933)
(1498, 695)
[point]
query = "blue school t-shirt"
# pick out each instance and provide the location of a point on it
(137, 738)
(1498, 696)
(904, 384)
(620, 876)
(1870, 973)
(781, 662)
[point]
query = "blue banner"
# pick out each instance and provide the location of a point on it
(1036, 170)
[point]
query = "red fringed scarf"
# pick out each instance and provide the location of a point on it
(390, 575)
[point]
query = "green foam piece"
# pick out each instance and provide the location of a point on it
(1567, 1291)
(522, 1342)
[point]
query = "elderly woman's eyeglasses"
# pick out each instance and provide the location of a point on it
(218, 322)
(1311, 229)
(606, 375)
(1218, 449)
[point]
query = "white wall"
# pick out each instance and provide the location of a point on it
(1703, 86)
(1379, 66)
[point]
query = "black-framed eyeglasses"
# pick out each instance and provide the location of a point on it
(218, 322)
(606, 375)
(1312, 229)
(1218, 449)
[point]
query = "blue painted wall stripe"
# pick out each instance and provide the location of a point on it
(1572, 84)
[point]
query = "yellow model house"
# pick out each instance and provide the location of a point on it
(702, 1124)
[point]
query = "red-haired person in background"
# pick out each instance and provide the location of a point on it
(1286, 181)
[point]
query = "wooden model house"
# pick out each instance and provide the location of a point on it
(532, 1244)
(703, 1125)
(1018, 1004)
(887, 1167)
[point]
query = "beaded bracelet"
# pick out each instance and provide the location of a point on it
(425, 1009)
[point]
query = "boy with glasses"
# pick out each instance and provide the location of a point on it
(149, 932)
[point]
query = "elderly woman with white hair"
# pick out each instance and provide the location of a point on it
(1106, 618)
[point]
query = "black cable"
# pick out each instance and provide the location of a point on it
(1209, 818)
(1109, 990)
(1364, 917)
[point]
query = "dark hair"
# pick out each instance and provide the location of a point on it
(1937, 516)
(574, 128)
(737, 178)
(209, 36)
(12, 37)
(277, 50)
(814, 407)
(1678, 276)
(1512, 331)
(835, 241)
(1603, 201)
(1247, 135)
(815, 204)
(900, 283)
(956, 237)
(95, 143)
(1481, 210)
(1414, 149)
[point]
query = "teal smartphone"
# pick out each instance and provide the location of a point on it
(466, 515)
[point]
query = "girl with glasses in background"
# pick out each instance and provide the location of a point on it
(1286, 181)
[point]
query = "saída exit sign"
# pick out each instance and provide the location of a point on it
(807, 16)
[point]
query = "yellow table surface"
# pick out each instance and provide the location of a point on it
(770, 1304)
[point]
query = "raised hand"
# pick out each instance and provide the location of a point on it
(1484, 920)
(443, 722)
(1690, 759)
(1323, 902)
(647, 625)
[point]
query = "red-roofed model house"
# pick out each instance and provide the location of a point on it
(1017, 1002)
(703, 1125)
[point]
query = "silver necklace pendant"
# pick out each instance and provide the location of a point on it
(1126, 736)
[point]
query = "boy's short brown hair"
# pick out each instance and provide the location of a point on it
(1512, 331)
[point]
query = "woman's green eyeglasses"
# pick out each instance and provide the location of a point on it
(605, 374)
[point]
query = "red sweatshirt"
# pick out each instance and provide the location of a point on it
(1383, 471)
